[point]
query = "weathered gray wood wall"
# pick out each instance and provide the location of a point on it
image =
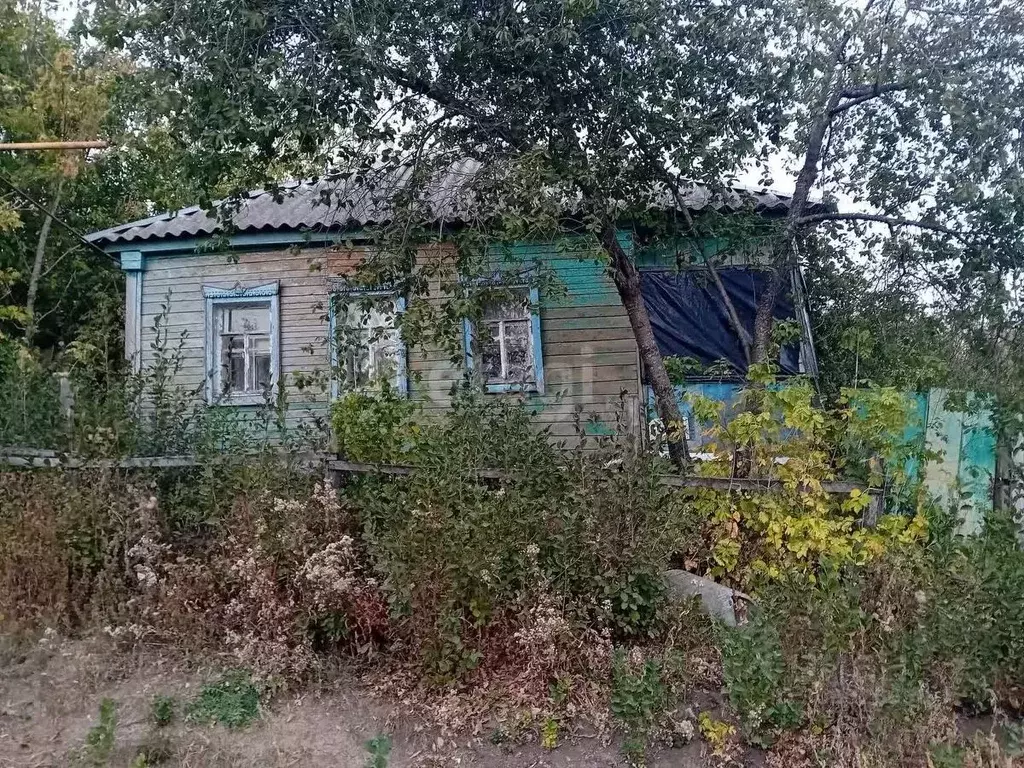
(589, 354)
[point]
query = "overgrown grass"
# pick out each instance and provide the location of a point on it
(878, 659)
(539, 579)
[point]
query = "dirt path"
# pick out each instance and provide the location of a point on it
(50, 696)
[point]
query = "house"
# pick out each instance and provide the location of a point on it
(266, 303)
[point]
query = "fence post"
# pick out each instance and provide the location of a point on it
(67, 399)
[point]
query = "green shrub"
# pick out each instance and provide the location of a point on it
(636, 598)
(233, 701)
(755, 677)
(887, 648)
(495, 517)
(971, 596)
(374, 427)
(779, 433)
(30, 412)
(162, 710)
(638, 699)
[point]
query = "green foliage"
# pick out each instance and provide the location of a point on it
(99, 741)
(876, 446)
(457, 549)
(754, 673)
(777, 433)
(162, 709)
(679, 369)
(29, 399)
(379, 748)
(638, 700)
(374, 427)
(973, 618)
(60, 85)
(872, 652)
(232, 701)
(946, 756)
(549, 733)
(636, 598)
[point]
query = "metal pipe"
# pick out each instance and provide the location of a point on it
(19, 145)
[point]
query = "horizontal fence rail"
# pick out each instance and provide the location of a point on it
(36, 458)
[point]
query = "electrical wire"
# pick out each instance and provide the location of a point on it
(31, 200)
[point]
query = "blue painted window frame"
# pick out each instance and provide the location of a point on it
(340, 288)
(269, 294)
(537, 386)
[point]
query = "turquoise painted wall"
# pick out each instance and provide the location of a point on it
(963, 474)
(582, 272)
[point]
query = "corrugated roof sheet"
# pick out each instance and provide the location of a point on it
(357, 201)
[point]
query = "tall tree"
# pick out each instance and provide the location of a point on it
(581, 114)
(910, 113)
(586, 115)
(56, 86)
(48, 95)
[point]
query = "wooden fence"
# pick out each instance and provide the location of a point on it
(36, 458)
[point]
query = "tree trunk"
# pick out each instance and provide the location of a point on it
(627, 282)
(764, 318)
(782, 263)
(37, 264)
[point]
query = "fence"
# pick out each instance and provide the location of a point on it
(36, 458)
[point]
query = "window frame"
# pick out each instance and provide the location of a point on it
(342, 288)
(218, 298)
(469, 337)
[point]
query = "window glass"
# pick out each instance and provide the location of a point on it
(261, 361)
(490, 352)
(247, 320)
(506, 345)
(518, 355)
(243, 347)
(367, 340)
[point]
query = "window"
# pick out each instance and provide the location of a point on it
(241, 343)
(366, 345)
(506, 348)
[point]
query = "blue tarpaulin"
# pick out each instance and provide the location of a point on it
(689, 318)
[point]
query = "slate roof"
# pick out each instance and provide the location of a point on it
(334, 203)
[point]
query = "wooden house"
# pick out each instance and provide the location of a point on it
(255, 308)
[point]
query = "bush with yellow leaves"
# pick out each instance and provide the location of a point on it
(794, 521)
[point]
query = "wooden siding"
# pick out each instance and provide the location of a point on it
(590, 357)
(176, 282)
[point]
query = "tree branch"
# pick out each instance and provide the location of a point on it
(730, 309)
(446, 100)
(670, 181)
(892, 221)
(858, 94)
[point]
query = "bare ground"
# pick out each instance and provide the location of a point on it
(50, 694)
